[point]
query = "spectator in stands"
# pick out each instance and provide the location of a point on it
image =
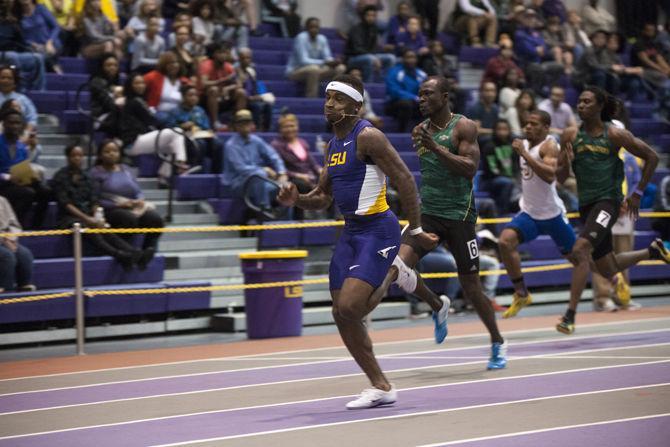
(63, 12)
(361, 48)
(29, 137)
(561, 113)
(631, 77)
(429, 11)
(248, 155)
(218, 81)
(510, 90)
(367, 112)
(139, 130)
(16, 261)
(9, 81)
(556, 41)
(232, 28)
(552, 8)
(647, 53)
(500, 168)
(516, 116)
(204, 27)
(498, 66)
(126, 9)
(181, 19)
(106, 95)
(311, 60)
(402, 90)
(99, 34)
(602, 67)
(301, 167)
(163, 85)
(458, 97)
(472, 17)
(183, 48)
(485, 111)
(352, 14)
(121, 197)
(398, 23)
(22, 187)
(192, 119)
(41, 31)
(412, 38)
(662, 204)
(78, 201)
(259, 100)
(285, 13)
(534, 54)
(171, 8)
(148, 46)
(16, 51)
(596, 18)
(576, 38)
(245, 12)
(148, 10)
(436, 63)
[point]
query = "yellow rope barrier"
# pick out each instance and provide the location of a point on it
(283, 226)
(228, 287)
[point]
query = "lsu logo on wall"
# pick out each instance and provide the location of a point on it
(293, 292)
(338, 158)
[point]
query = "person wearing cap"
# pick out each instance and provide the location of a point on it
(358, 161)
(245, 155)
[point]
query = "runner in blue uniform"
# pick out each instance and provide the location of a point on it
(359, 158)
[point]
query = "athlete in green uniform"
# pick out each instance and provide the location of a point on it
(446, 144)
(592, 151)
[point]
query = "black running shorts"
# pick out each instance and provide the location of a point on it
(599, 218)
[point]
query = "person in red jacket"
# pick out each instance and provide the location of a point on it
(163, 86)
(497, 66)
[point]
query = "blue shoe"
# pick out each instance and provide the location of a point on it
(498, 358)
(440, 320)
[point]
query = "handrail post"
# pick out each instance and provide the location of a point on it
(79, 288)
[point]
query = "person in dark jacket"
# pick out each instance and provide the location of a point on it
(361, 49)
(106, 95)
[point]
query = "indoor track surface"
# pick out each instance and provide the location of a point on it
(606, 385)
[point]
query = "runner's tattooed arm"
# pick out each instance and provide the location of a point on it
(566, 155)
(317, 199)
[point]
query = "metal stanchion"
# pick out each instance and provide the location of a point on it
(79, 288)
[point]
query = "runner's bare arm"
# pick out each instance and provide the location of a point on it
(545, 169)
(317, 199)
(637, 147)
(466, 162)
(565, 155)
(374, 144)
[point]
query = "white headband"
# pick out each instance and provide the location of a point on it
(346, 89)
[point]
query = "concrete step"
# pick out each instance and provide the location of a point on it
(185, 207)
(61, 139)
(47, 128)
(206, 258)
(311, 316)
(175, 247)
(155, 194)
(196, 219)
(45, 119)
(236, 300)
(202, 235)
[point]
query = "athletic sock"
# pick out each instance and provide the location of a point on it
(518, 282)
(570, 315)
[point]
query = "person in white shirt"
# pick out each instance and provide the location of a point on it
(542, 211)
(560, 112)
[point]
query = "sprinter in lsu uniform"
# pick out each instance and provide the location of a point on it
(358, 160)
(542, 211)
(592, 151)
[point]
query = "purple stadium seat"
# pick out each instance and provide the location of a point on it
(277, 44)
(647, 127)
(147, 165)
(197, 186)
(58, 272)
(641, 110)
(319, 236)
(116, 305)
(411, 160)
(188, 300)
(664, 143)
(477, 56)
(275, 56)
(279, 238)
(70, 82)
(49, 102)
(55, 309)
(231, 211)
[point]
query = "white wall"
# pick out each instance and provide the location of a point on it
(330, 11)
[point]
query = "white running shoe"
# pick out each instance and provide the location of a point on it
(373, 397)
(440, 319)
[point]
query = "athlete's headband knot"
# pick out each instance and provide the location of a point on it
(346, 89)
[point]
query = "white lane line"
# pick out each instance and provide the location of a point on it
(284, 382)
(606, 357)
(297, 351)
(420, 413)
(323, 399)
(545, 430)
(398, 356)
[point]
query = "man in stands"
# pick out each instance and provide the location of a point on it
(362, 49)
(560, 112)
(402, 88)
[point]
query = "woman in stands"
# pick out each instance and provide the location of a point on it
(41, 31)
(77, 202)
(184, 49)
(138, 23)
(301, 167)
(139, 130)
(9, 81)
(16, 261)
(99, 34)
(204, 26)
(516, 116)
(163, 86)
(122, 198)
(106, 94)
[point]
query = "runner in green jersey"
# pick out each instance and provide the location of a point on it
(446, 144)
(592, 151)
